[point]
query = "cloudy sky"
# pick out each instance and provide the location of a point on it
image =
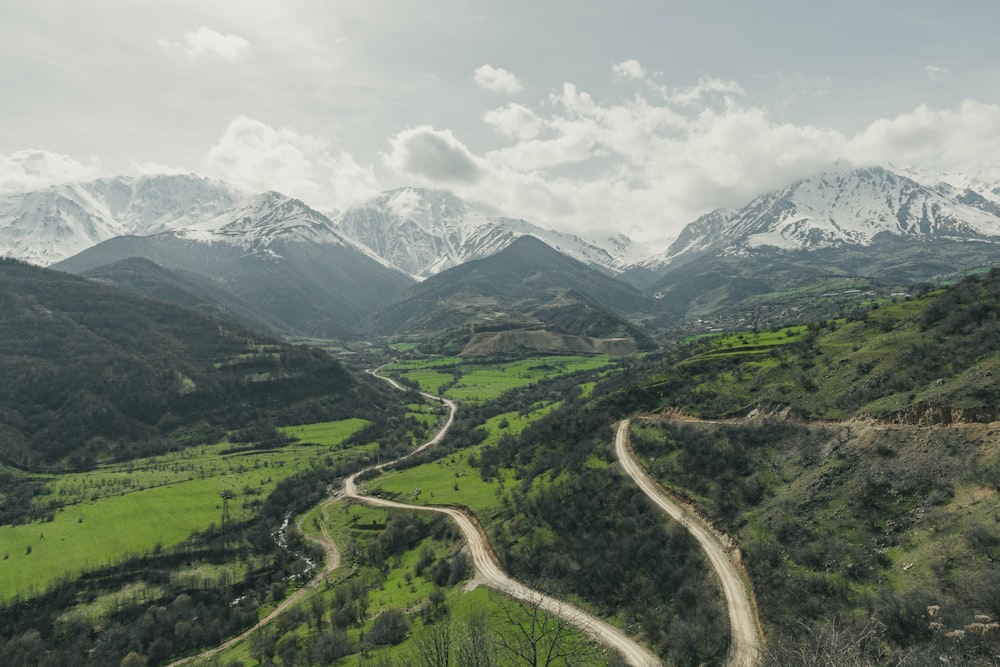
(594, 117)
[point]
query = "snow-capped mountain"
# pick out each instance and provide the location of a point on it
(841, 208)
(272, 252)
(424, 232)
(263, 222)
(45, 226)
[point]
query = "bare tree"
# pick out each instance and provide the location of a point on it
(831, 644)
(433, 646)
(530, 636)
(474, 645)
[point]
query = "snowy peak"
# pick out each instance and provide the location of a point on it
(268, 222)
(845, 207)
(419, 230)
(425, 231)
(45, 226)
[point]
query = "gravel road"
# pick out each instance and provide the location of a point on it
(745, 643)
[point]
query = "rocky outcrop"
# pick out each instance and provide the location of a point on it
(922, 414)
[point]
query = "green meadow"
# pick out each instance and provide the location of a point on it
(122, 510)
(477, 381)
(453, 480)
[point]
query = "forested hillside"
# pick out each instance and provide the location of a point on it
(856, 463)
(92, 373)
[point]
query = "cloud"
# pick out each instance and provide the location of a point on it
(936, 73)
(706, 87)
(433, 156)
(205, 41)
(497, 79)
(964, 139)
(258, 157)
(628, 69)
(514, 121)
(33, 169)
(154, 169)
(648, 166)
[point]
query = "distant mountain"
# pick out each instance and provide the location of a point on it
(812, 249)
(840, 209)
(275, 253)
(92, 372)
(526, 285)
(46, 226)
(424, 232)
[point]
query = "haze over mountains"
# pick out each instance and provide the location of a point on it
(295, 269)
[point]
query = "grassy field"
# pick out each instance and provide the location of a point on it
(130, 509)
(452, 480)
(479, 381)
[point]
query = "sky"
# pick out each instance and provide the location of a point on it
(597, 118)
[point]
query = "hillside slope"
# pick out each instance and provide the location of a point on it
(857, 464)
(92, 372)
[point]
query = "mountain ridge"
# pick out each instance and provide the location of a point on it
(527, 285)
(840, 208)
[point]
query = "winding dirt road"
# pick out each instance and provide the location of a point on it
(745, 641)
(744, 645)
(488, 571)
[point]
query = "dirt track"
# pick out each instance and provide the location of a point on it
(488, 572)
(745, 643)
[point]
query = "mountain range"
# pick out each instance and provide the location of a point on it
(274, 252)
(424, 232)
(297, 270)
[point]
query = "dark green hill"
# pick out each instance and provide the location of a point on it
(91, 372)
(184, 288)
(526, 285)
(318, 290)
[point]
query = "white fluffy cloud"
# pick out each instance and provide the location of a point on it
(497, 80)
(514, 121)
(34, 169)
(205, 41)
(629, 69)
(646, 167)
(964, 139)
(433, 156)
(258, 157)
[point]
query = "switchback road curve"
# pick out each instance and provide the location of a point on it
(745, 640)
(488, 571)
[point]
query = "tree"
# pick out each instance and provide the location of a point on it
(390, 627)
(433, 646)
(474, 645)
(528, 635)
